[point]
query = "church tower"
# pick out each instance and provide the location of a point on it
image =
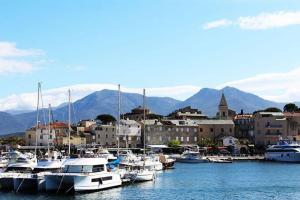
(223, 108)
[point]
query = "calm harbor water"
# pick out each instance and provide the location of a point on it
(240, 180)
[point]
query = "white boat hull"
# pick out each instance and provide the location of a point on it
(183, 160)
(293, 157)
(81, 183)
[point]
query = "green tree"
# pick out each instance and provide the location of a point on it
(272, 109)
(290, 107)
(106, 119)
(154, 116)
(174, 143)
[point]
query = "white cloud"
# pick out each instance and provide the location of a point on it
(281, 87)
(58, 96)
(9, 49)
(217, 24)
(10, 58)
(14, 66)
(261, 21)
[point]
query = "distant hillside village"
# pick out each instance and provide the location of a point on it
(186, 126)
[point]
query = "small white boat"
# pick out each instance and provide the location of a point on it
(141, 175)
(220, 160)
(192, 157)
(82, 175)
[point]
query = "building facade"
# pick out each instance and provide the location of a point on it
(129, 134)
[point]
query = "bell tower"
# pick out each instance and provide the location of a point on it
(223, 108)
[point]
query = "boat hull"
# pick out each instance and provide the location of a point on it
(192, 160)
(292, 157)
(81, 183)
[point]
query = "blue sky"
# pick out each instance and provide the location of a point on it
(151, 43)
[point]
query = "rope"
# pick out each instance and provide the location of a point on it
(60, 184)
(20, 185)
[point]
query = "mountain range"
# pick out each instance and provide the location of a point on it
(106, 102)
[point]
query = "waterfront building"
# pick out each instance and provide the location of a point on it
(244, 127)
(75, 140)
(58, 129)
(187, 113)
(137, 114)
(269, 127)
(84, 125)
(130, 134)
(163, 131)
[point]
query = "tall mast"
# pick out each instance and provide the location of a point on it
(49, 130)
(144, 109)
(37, 119)
(69, 92)
(119, 113)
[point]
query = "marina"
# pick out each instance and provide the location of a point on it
(240, 180)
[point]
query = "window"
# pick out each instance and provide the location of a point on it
(181, 130)
(106, 135)
(98, 135)
(177, 138)
(29, 136)
(201, 129)
(222, 130)
(187, 129)
(181, 139)
(160, 138)
(224, 114)
(169, 138)
(160, 128)
(148, 128)
(230, 130)
(177, 129)
(113, 129)
(50, 137)
(41, 137)
(195, 139)
(211, 130)
(41, 144)
(195, 130)
(129, 138)
(187, 139)
(148, 138)
(169, 129)
(138, 138)
(98, 168)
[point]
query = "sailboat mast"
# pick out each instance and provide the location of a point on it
(49, 130)
(144, 109)
(119, 113)
(69, 92)
(37, 119)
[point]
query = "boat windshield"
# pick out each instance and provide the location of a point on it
(83, 168)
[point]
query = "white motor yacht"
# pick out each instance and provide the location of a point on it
(82, 175)
(18, 164)
(284, 151)
(35, 180)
